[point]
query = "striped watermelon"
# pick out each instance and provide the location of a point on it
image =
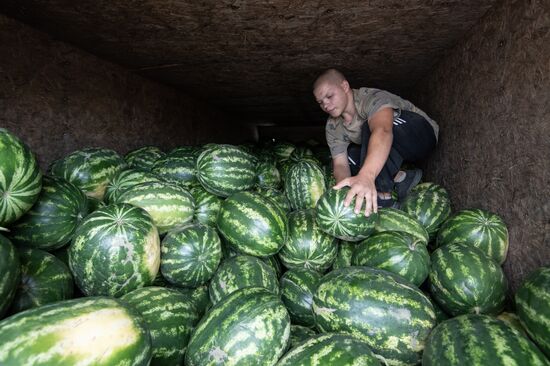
(268, 175)
(251, 327)
(252, 224)
(225, 169)
(299, 333)
(479, 340)
(282, 150)
(44, 279)
(51, 222)
(396, 252)
(10, 274)
(207, 206)
(144, 157)
(387, 312)
(307, 245)
(300, 152)
(345, 252)
(170, 317)
(284, 166)
(465, 280)
(330, 349)
(116, 249)
(239, 272)
(199, 296)
(274, 263)
(177, 167)
(304, 185)
(277, 196)
(513, 321)
(533, 307)
(21, 180)
(90, 169)
(481, 229)
(430, 205)
(95, 331)
(392, 219)
(190, 255)
(340, 221)
(297, 288)
(126, 179)
(168, 204)
(187, 149)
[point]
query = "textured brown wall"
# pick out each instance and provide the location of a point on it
(58, 98)
(491, 96)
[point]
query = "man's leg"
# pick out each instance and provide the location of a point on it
(413, 140)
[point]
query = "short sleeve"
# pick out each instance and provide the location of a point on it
(373, 100)
(336, 139)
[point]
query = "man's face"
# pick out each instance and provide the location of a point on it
(331, 98)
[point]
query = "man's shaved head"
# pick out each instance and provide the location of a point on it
(330, 76)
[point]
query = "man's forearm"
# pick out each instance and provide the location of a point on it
(341, 172)
(378, 151)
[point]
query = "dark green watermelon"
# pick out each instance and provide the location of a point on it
(44, 279)
(392, 219)
(90, 169)
(239, 272)
(304, 185)
(207, 206)
(170, 317)
(297, 288)
(307, 245)
(51, 222)
(387, 312)
(190, 255)
(340, 221)
(126, 179)
(252, 224)
(533, 307)
(465, 280)
(169, 204)
(10, 274)
(330, 350)
(430, 205)
(116, 249)
(397, 252)
(21, 178)
(177, 167)
(479, 340)
(225, 169)
(479, 228)
(144, 157)
(250, 327)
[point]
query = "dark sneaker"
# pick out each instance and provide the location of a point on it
(412, 178)
(388, 202)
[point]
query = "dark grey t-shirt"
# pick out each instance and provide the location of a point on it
(367, 101)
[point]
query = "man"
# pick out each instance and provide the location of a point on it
(370, 133)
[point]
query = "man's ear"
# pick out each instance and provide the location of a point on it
(345, 86)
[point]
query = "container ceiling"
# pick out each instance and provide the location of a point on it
(256, 60)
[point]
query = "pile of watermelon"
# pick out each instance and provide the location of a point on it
(245, 255)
